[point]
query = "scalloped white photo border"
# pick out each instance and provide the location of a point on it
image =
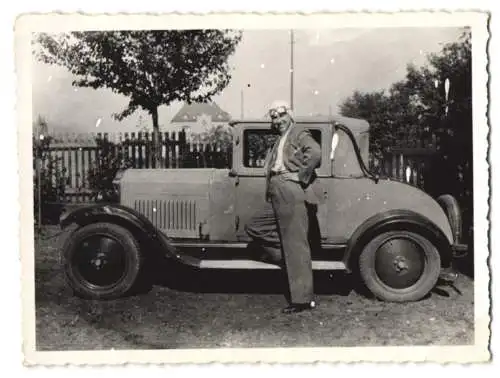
(477, 21)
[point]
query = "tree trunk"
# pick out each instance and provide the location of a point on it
(156, 139)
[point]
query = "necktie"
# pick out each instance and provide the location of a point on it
(274, 155)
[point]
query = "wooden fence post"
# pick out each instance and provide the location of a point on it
(182, 148)
(39, 179)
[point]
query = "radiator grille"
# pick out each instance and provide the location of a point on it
(171, 215)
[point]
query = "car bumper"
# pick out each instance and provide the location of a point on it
(459, 250)
(450, 274)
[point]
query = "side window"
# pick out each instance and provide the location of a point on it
(316, 134)
(257, 143)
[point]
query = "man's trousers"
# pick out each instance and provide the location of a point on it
(281, 227)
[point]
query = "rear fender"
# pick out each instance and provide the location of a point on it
(146, 233)
(396, 220)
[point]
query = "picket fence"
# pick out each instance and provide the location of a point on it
(405, 164)
(77, 154)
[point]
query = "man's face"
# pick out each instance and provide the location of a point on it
(280, 120)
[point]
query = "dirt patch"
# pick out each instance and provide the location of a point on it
(221, 309)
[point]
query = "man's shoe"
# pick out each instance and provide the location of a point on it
(299, 307)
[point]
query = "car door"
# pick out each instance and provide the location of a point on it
(254, 142)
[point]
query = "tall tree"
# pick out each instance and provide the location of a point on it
(151, 68)
(417, 105)
(376, 108)
(455, 128)
(432, 99)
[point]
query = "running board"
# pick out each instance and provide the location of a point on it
(252, 264)
(236, 245)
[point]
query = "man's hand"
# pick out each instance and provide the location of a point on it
(268, 197)
(312, 155)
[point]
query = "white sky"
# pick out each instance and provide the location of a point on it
(329, 66)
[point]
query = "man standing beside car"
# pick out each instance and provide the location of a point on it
(282, 226)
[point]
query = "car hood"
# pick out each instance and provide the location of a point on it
(174, 200)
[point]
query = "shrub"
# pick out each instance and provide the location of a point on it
(49, 182)
(101, 174)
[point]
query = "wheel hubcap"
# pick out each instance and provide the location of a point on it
(399, 262)
(100, 261)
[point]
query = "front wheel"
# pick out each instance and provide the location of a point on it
(102, 261)
(400, 266)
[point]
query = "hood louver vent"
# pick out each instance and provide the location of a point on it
(177, 216)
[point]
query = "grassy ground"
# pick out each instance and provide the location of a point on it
(220, 309)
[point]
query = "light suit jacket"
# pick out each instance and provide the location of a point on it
(301, 157)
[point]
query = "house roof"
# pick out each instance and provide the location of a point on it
(190, 112)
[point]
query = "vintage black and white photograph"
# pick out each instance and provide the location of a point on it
(222, 188)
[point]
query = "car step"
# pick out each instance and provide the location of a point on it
(252, 264)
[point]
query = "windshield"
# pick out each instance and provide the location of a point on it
(350, 148)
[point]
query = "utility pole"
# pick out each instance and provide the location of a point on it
(292, 41)
(242, 104)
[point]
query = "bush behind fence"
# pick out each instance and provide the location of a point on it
(87, 165)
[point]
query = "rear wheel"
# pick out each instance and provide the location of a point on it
(102, 261)
(400, 266)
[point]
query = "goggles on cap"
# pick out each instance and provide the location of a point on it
(278, 112)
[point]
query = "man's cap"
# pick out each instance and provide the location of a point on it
(281, 104)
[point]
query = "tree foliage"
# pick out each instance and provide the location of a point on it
(416, 108)
(50, 177)
(214, 148)
(220, 135)
(376, 108)
(151, 68)
(104, 170)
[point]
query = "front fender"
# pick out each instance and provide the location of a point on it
(397, 220)
(140, 226)
(105, 212)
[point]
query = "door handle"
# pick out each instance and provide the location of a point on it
(237, 222)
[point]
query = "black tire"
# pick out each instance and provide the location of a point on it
(383, 261)
(452, 209)
(89, 271)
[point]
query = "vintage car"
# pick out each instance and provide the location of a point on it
(395, 237)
